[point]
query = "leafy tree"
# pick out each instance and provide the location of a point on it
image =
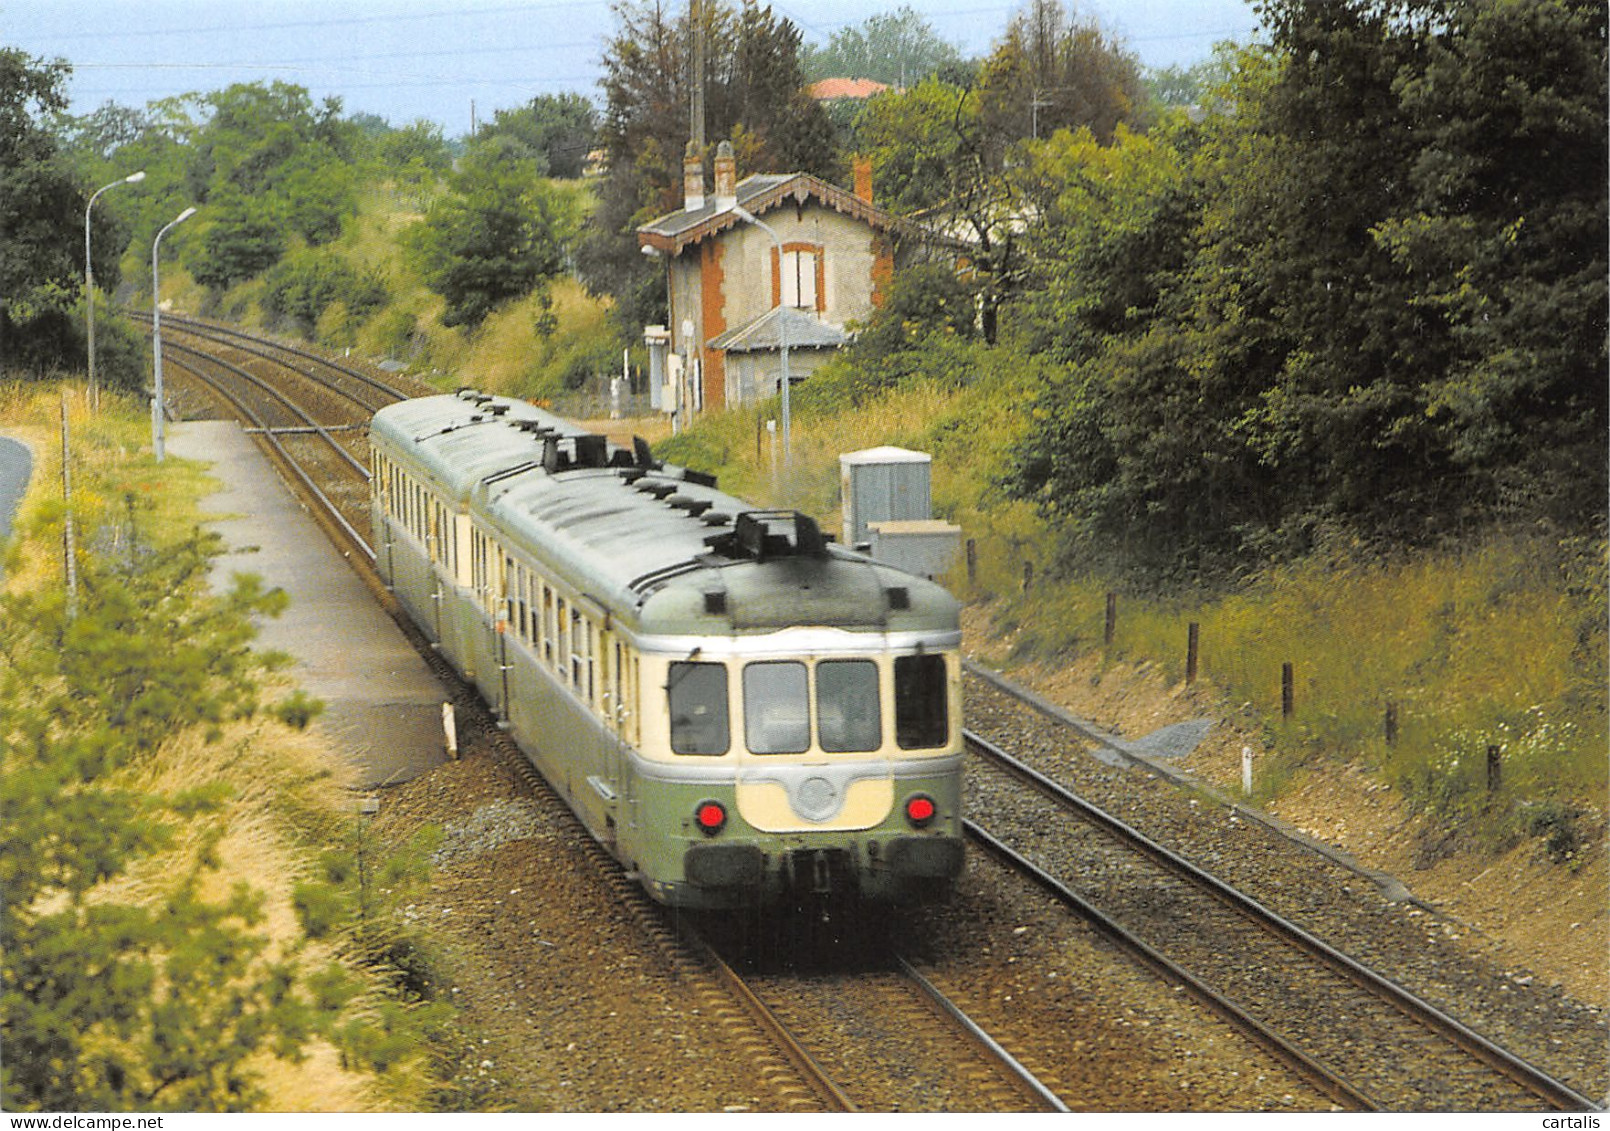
(415, 157)
(753, 94)
(922, 143)
(924, 299)
(41, 221)
(1369, 299)
(561, 128)
(933, 157)
(244, 236)
(266, 163)
(307, 283)
(1113, 237)
(102, 132)
(107, 1005)
(897, 48)
(1052, 72)
(320, 194)
(1507, 241)
(497, 236)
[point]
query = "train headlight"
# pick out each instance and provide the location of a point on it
(921, 810)
(710, 816)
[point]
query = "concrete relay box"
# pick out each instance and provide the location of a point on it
(880, 485)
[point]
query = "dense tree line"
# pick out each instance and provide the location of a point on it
(1369, 299)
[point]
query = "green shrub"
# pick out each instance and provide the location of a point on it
(304, 285)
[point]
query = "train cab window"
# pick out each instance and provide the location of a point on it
(698, 702)
(921, 709)
(776, 708)
(847, 715)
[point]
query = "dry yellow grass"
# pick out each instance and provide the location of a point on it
(285, 790)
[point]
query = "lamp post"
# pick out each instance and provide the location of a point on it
(89, 283)
(156, 334)
(782, 329)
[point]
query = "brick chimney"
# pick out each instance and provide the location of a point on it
(726, 177)
(692, 178)
(863, 178)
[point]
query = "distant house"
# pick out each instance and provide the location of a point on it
(831, 90)
(735, 298)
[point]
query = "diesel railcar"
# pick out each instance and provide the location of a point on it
(740, 710)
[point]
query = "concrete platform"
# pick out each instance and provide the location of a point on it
(383, 705)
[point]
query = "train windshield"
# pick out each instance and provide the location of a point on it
(847, 715)
(776, 708)
(698, 694)
(921, 710)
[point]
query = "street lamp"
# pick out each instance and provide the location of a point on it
(89, 282)
(156, 334)
(782, 328)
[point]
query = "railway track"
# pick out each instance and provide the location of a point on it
(874, 1033)
(1356, 1035)
(312, 429)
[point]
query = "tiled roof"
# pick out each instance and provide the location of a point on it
(759, 194)
(765, 333)
(826, 90)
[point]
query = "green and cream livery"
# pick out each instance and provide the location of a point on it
(738, 709)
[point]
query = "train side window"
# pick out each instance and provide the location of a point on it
(776, 707)
(581, 660)
(516, 574)
(617, 688)
(697, 695)
(528, 597)
(921, 708)
(562, 658)
(848, 719)
(548, 630)
(628, 703)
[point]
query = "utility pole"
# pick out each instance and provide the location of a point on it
(696, 107)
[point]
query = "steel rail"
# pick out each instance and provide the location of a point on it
(1021, 1075)
(1529, 1077)
(1324, 1078)
(252, 343)
(814, 1075)
(331, 511)
(321, 430)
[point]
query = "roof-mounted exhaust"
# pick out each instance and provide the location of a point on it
(765, 535)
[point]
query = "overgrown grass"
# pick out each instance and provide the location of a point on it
(1501, 644)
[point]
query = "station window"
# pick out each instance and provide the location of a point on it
(848, 719)
(776, 708)
(697, 693)
(921, 708)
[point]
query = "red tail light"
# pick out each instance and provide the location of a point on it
(920, 809)
(710, 816)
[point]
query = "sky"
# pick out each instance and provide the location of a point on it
(445, 60)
